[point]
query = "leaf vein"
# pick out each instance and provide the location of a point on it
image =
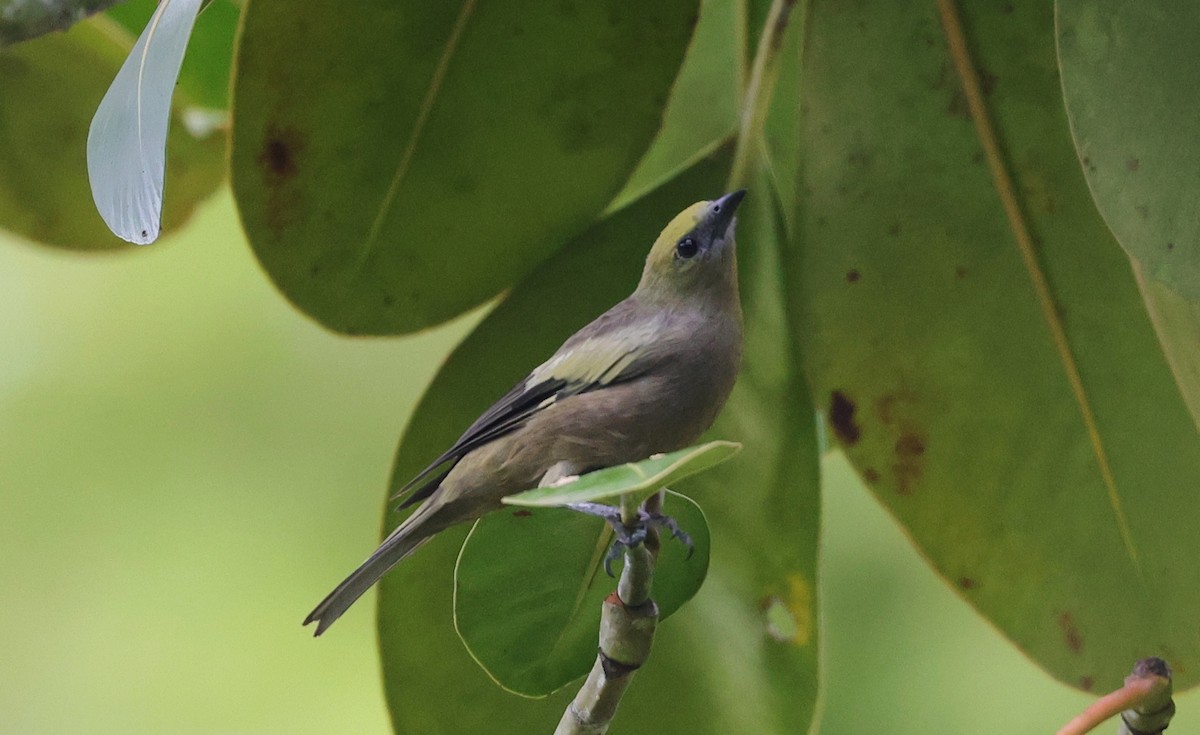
(961, 56)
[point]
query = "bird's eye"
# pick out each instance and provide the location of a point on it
(686, 248)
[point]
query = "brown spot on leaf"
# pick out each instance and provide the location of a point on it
(1071, 635)
(966, 583)
(907, 474)
(886, 404)
(1143, 211)
(1170, 246)
(894, 229)
(871, 475)
(961, 272)
(1086, 683)
(987, 81)
(279, 160)
(841, 418)
(1133, 164)
(522, 513)
(977, 157)
(852, 276)
(910, 445)
(279, 151)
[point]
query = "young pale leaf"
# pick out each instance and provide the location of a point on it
(529, 584)
(638, 478)
(128, 136)
(49, 90)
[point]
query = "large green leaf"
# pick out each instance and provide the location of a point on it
(400, 163)
(764, 510)
(634, 478)
(717, 666)
(1129, 78)
(529, 585)
(934, 358)
(49, 89)
(426, 669)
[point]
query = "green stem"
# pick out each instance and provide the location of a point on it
(757, 101)
(627, 623)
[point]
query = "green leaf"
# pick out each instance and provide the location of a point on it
(935, 359)
(401, 163)
(1129, 80)
(529, 584)
(49, 90)
(753, 628)
(635, 478)
(419, 647)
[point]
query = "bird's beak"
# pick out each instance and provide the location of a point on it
(723, 210)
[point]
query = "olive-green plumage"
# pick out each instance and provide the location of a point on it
(649, 375)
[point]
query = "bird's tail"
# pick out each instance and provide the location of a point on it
(407, 538)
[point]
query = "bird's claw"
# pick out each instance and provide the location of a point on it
(658, 520)
(629, 537)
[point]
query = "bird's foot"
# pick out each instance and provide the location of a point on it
(628, 537)
(658, 520)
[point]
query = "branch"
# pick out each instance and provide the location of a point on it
(1144, 703)
(627, 622)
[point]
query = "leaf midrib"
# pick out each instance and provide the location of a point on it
(435, 87)
(997, 165)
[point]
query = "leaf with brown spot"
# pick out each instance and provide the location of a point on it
(1061, 472)
(1071, 635)
(415, 148)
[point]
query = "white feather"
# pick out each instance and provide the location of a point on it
(127, 141)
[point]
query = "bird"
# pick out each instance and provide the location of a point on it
(647, 376)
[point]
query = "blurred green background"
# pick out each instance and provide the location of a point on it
(187, 464)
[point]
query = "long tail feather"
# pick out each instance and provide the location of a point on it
(407, 538)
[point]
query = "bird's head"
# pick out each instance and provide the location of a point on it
(695, 255)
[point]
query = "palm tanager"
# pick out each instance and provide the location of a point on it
(649, 375)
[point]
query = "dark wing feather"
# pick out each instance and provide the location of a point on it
(607, 351)
(505, 415)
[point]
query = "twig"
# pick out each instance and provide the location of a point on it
(1144, 703)
(627, 622)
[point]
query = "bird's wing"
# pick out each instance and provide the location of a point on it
(610, 350)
